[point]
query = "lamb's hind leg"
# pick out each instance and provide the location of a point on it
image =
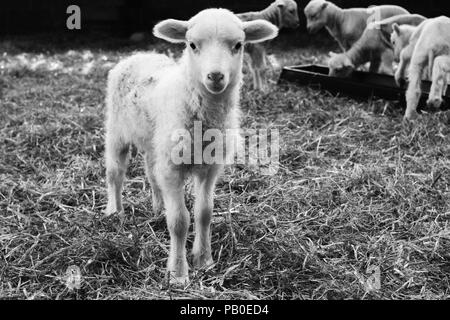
(375, 65)
(440, 72)
(157, 200)
(405, 59)
(171, 183)
(203, 209)
(116, 158)
(257, 66)
(387, 61)
(400, 73)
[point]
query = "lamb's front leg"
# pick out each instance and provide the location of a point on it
(413, 93)
(387, 62)
(417, 65)
(375, 65)
(400, 74)
(203, 209)
(171, 183)
(257, 66)
(256, 75)
(157, 201)
(405, 59)
(440, 72)
(116, 159)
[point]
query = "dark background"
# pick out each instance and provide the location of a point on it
(126, 16)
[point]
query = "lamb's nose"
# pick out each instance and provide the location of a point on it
(216, 76)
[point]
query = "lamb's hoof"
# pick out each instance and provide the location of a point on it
(175, 281)
(264, 90)
(434, 103)
(203, 262)
(109, 211)
(401, 83)
(408, 117)
(157, 209)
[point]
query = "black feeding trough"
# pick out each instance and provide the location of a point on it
(360, 84)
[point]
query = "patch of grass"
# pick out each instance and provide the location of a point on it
(356, 188)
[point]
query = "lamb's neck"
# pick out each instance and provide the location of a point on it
(272, 14)
(408, 35)
(358, 54)
(211, 109)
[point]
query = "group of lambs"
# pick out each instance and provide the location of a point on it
(150, 96)
(380, 35)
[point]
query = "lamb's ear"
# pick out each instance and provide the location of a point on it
(324, 5)
(396, 28)
(332, 54)
(279, 3)
(171, 30)
(259, 31)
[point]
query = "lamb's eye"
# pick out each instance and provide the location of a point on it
(238, 46)
(193, 46)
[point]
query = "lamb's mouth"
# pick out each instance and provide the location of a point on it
(215, 88)
(313, 30)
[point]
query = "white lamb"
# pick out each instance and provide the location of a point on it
(432, 46)
(374, 46)
(404, 39)
(346, 26)
(281, 13)
(150, 98)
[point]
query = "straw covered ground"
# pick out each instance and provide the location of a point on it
(357, 192)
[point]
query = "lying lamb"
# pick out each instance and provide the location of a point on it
(150, 98)
(374, 46)
(346, 26)
(433, 46)
(283, 14)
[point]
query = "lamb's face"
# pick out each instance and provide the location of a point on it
(289, 13)
(214, 45)
(399, 40)
(340, 65)
(316, 16)
(215, 51)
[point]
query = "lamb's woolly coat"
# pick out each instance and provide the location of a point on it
(158, 93)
